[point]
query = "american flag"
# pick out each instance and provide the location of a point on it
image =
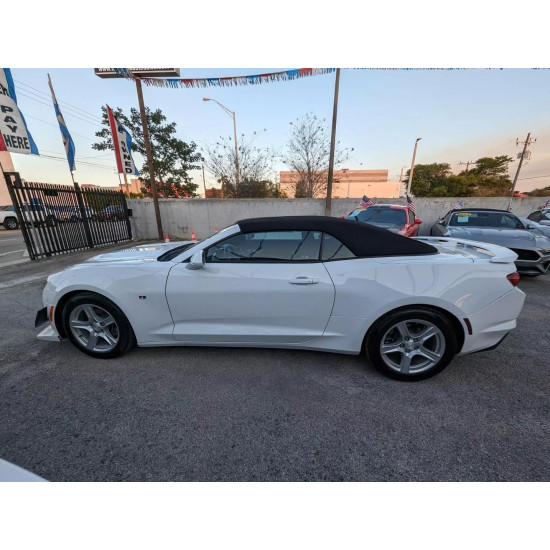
(459, 205)
(410, 204)
(365, 202)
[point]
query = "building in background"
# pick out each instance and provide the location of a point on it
(349, 183)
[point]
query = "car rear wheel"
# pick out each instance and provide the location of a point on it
(411, 344)
(11, 223)
(96, 326)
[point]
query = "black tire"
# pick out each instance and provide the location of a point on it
(125, 333)
(11, 223)
(443, 344)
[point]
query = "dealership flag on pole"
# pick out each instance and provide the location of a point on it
(122, 143)
(14, 134)
(68, 142)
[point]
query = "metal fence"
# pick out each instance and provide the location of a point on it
(57, 219)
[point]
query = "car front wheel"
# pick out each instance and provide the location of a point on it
(11, 223)
(96, 326)
(411, 344)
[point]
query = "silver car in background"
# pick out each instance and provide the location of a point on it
(499, 227)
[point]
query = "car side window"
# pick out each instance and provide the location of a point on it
(535, 216)
(268, 246)
(511, 222)
(411, 217)
(333, 249)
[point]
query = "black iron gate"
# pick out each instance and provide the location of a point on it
(56, 219)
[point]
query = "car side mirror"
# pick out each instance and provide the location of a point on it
(441, 221)
(197, 260)
(417, 221)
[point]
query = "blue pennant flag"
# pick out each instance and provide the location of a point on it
(68, 142)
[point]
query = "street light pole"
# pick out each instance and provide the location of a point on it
(412, 166)
(231, 114)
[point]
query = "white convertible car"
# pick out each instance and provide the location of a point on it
(304, 282)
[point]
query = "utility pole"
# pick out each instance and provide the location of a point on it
(467, 164)
(412, 166)
(332, 145)
(149, 156)
(401, 181)
(526, 143)
(203, 181)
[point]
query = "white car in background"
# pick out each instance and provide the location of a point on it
(304, 282)
(8, 217)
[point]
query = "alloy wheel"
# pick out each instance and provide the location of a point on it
(412, 346)
(94, 328)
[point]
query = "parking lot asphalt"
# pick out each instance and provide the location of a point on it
(212, 414)
(12, 248)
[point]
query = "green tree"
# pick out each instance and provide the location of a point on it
(253, 189)
(542, 192)
(173, 158)
(428, 177)
(491, 176)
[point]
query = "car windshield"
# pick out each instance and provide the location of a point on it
(496, 220)
(382, 217)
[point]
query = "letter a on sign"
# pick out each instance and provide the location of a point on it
(122, 143)
(14, 134)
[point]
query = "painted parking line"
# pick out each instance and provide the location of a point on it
(23, 280)
(12, 252)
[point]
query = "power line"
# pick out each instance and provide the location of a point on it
(60, 101)
(69, 109)
(535, 177)
(56, 126)
(67, 113)
(63, 159)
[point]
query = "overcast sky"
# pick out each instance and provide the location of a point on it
(461, 115)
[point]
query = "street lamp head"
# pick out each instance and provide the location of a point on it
(206, 99)
(418, 139)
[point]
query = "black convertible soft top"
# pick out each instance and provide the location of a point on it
(362, 239)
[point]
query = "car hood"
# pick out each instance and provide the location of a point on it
(145, 252)
(510, 238)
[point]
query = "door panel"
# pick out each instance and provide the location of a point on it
(250, 302)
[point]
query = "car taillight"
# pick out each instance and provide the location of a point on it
(513, 278)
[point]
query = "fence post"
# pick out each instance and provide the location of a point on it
(18, 213)
(127, 215)
(83, 215)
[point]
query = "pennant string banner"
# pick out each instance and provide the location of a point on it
(226, 81)
(254, 79)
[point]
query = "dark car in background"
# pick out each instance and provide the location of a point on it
(114, 212)
(393, 217)
(540, 216)
(498, 227)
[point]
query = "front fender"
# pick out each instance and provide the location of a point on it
(138, 289)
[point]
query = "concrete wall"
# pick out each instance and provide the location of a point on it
(181, 216)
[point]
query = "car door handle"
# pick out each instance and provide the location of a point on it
(303, 281)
